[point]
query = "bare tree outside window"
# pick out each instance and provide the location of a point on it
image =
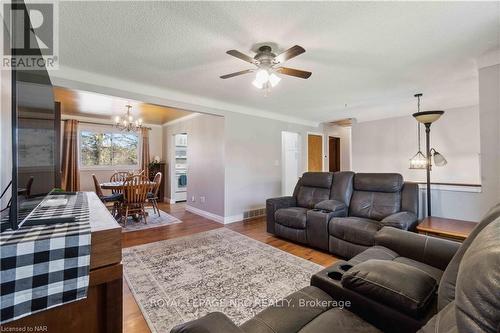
(108, 149)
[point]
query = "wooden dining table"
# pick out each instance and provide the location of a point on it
(118, 185)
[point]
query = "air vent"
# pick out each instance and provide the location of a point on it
(251, 214)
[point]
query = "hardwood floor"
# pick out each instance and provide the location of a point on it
(133, 320)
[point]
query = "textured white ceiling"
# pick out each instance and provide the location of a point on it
(367, 58)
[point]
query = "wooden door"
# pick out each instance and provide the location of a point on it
(333, 154)
(314, 152)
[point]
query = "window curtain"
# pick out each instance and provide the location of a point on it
(70, 180)
(145, 151)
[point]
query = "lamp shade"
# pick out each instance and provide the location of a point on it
(439, 159)
(418, 161)
(428, 117)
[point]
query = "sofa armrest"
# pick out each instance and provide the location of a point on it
(403, 287)
(215, 322)
(273, 204)
(430, 250)
(400, 220)
(332, 206)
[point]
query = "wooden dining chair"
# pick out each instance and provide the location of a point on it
(153, 195)
(135, 192)
(116, 198)
(119, 176)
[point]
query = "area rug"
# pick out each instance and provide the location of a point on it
(182, 279)
(153, 219)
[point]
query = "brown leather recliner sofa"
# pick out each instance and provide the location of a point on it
(463, 299)
(341, 212)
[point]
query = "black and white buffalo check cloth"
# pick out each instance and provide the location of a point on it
(45, 266)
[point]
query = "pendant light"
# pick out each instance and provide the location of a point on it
(418, 161)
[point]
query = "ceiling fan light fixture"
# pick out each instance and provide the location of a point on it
(268, 65)
(274, 80)
(257, 84)
(262, 76)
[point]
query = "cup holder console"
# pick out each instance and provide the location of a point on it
(338, 269)
(345, 267)
(335, 275)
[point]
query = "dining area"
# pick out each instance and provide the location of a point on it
(129, 194)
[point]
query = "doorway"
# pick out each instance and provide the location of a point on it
(314, 152)
(333, 154)
(180, 164)
(290, 160)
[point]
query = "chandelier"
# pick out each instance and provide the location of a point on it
(128, 123)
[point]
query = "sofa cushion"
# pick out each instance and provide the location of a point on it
(317, 179)
(446, 292)
(478, 283)
(354, 229)
(378, 182)
(339, 320)
(295, 235)
(374, 252)
(397, 285)
(374, 205)
(293, 217)
(443, 321)
(291, 314)
(308, 197)
(436, 273)
(331, 206)
(382, 253)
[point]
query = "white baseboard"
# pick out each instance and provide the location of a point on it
(208, 215)
(215, 217)
(232, 219)
(170, 201)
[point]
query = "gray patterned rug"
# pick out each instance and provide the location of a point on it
(182, 279)
(153, 220)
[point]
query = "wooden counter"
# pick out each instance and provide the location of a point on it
(101, 311)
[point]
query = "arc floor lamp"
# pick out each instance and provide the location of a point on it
(418, 161)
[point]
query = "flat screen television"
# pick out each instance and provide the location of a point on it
(35, 139)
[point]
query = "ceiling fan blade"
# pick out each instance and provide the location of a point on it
(294, 72)
(227, 76)
(241, 56)
(289, 54)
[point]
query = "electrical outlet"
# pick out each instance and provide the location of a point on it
(202, 199)
(193, 198)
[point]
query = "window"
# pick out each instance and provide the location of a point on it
(105, 148)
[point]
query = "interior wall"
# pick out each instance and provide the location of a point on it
(489, 104)
(290, 159)
(253, 160)
(104, 174)
(344, 133)
(387, 145)
(205, 159)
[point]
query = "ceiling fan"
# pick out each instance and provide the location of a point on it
(268, 65)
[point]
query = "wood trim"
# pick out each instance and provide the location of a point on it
(452, 184)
